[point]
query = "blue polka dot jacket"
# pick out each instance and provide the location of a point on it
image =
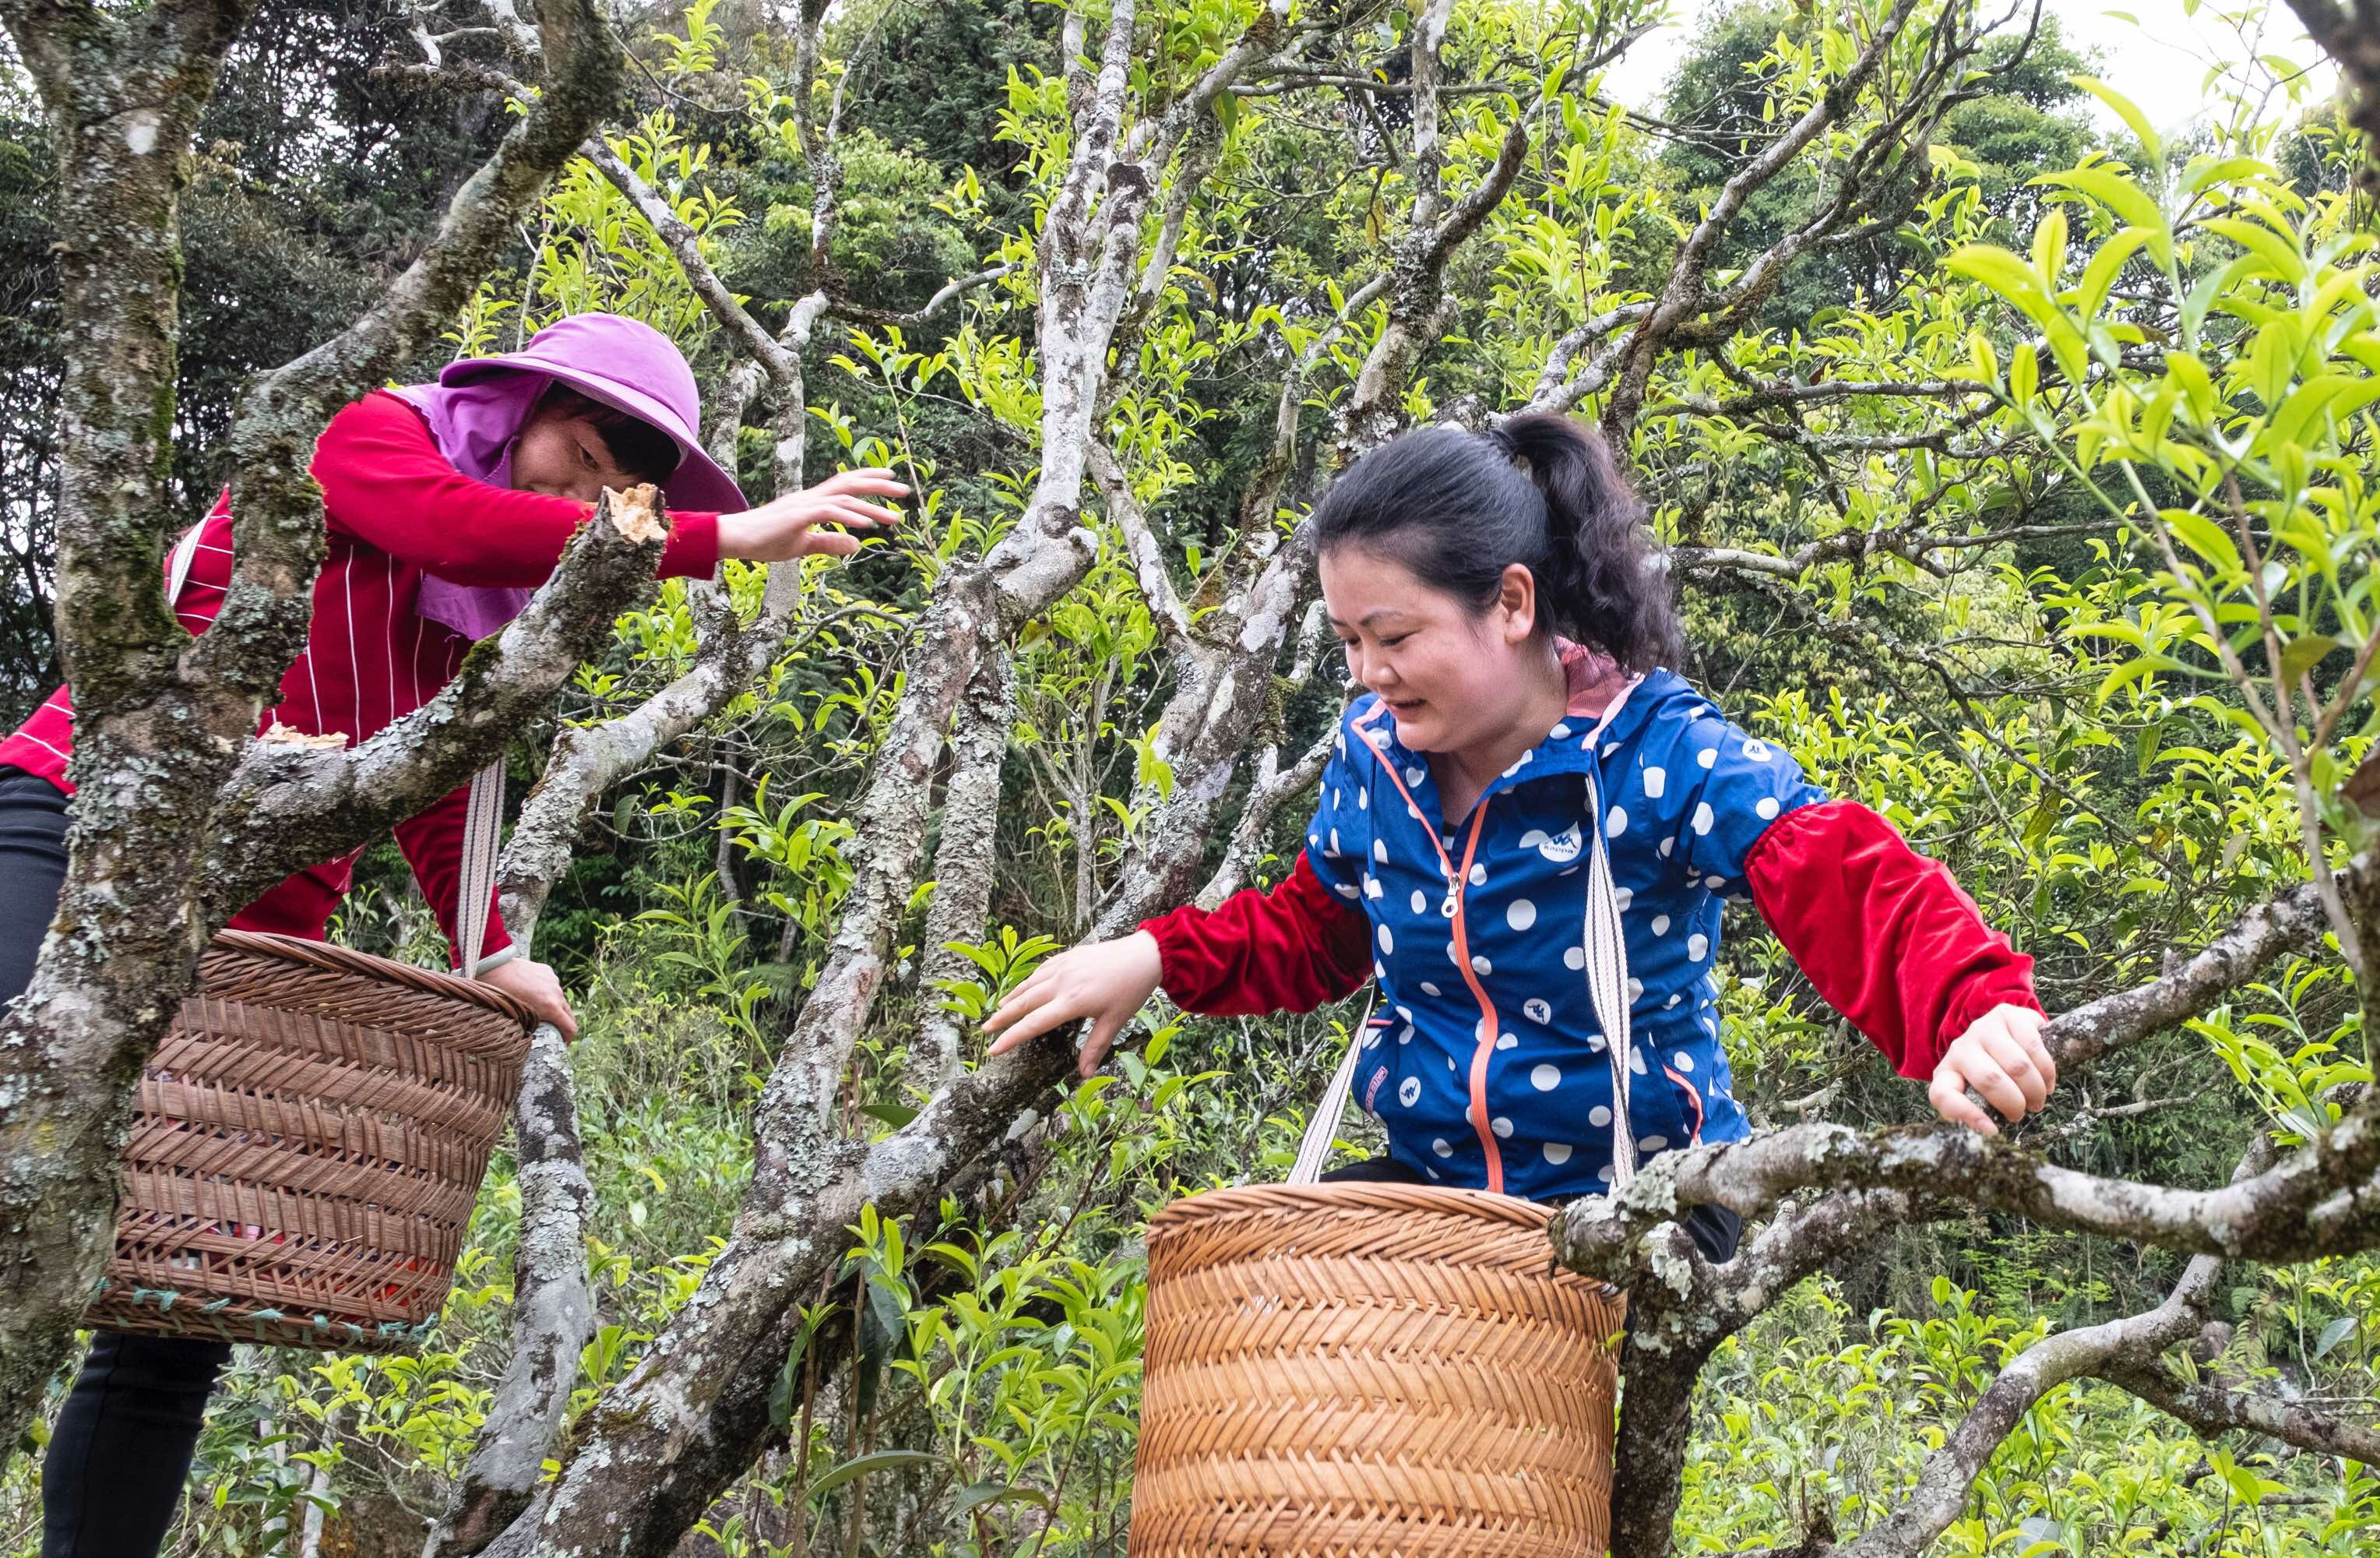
(1482, 1057)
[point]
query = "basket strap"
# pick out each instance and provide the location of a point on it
(1322, 1127)
(1606, 983)
(483, 819)
(177, 568)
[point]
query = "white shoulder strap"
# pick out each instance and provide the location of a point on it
(1606, 983)
(178, 566)
(1322, 1128)
(483, 820)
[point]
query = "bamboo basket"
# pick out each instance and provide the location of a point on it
(306, 1146)
(1369, 1370)
(1379, 1370)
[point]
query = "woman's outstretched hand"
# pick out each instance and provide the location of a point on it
(1106, 981)
(789, 527)
(2002, 1057)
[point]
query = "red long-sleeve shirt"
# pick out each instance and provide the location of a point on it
(1885, 934)
(395, 508)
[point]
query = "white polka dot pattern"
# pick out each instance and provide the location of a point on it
(1684, 796)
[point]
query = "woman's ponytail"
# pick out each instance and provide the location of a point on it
(1600, 577)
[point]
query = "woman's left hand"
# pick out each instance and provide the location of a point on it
(537, 987)
(2002, 1057)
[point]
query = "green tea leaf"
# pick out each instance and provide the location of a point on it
(860, 1465)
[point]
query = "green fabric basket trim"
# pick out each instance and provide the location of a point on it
(259, 1326)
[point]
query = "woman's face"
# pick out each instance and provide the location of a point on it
(565, 457)
(1453, 678)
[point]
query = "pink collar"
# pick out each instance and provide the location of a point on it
(1595, 682)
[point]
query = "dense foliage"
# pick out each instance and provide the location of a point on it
(1947, 597)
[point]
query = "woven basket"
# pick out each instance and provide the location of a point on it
(306, 1146)
(1367, 1371)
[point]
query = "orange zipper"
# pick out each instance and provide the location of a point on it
(1456, 883)
(1693, 1098)
(1486, 1045)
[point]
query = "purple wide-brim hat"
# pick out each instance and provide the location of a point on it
(629, 366)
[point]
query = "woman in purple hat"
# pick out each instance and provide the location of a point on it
(446, 505)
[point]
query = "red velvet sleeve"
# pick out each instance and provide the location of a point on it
(1292, 949)
(301, 905)
(432, 843)
(1886, 935)
(385, 483)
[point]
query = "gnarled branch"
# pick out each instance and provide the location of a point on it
(288, 806)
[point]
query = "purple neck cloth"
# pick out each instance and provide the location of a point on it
(479, 406)
(475, 427)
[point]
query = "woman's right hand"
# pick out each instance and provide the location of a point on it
(534, 985)
(786, 528)
(1106, 981)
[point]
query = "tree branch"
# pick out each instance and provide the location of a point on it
(673, 1420)
(2211, 1408)
(1685, 293)
(2320, 1201)
(1274, 788)
(290, 805)
(964, 866)
(2291, 921)
(2351, 36)
(1940, 1495)
(1141, 544)
(553, 1308)
(685, 247)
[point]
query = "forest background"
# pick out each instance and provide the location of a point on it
(1909, 412)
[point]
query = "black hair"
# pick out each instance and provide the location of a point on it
(636, 445)
(1457, 508)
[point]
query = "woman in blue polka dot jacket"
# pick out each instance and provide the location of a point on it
(1499, 604)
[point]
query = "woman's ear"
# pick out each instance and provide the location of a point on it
(1518, 600)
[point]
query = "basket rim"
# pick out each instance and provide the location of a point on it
(337, 960)
(1367, 1195)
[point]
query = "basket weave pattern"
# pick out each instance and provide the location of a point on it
(306, 1146)
(1364, 1370)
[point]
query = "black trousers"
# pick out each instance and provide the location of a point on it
(121, 1448)
(1714, 1229)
